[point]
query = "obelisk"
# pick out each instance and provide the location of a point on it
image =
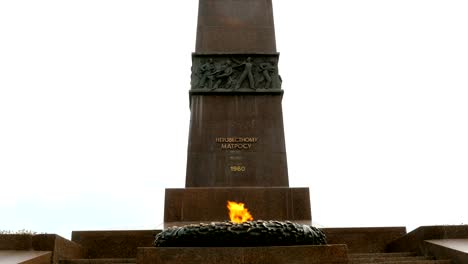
(236, 148)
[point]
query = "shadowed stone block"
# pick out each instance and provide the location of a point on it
(114, 244)
(454, 249)
(15, 242)
(414, 240)
(61, 247)
(364, 239)
(336, 254)
(197, 205)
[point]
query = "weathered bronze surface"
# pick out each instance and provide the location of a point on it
(234, 72)
(247, 234)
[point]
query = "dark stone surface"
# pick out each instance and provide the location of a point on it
(241, 26)
(62, 248)
(25, 257)
(236, 136)
(100, 261)
(217, 116)
(413, 241)
(247, 234)
(197, 205)
(364, 239)
(327, 254)
(441, 252)
(239, 34)
(15, 242)
(114, 244)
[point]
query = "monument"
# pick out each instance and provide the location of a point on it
(237, 153)
(236, 147)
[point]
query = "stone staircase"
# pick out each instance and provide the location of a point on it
(99, 261)
(356, 258)
(393, 258)
(115, 247)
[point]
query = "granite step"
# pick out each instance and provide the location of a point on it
(393, 254)
(377, 259)
(416, 262)
(393, 258)
(99, 261)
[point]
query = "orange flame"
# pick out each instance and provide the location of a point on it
(238, 213)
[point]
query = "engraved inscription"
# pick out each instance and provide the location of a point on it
(236, 143)
(237, 168)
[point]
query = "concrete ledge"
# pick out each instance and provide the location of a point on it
(364, 239)
(61, 247)
(25, 257)
(414, 241)
(447, 249)
(328, 254)
(114, 244)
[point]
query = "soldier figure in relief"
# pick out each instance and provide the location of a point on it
(206, 72)
(266, 68)
(247, 73)
(224, 74)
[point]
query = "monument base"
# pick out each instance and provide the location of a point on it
(328, 254)
(205, 205)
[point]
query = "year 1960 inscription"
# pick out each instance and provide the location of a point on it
(236, 143)
(237, 168)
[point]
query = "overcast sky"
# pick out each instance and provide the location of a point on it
(94, 111)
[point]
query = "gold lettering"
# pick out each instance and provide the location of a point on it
(237, 168)
(238, 143)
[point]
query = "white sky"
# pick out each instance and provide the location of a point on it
(94, 112)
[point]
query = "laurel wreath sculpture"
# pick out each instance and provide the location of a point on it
(247, 234)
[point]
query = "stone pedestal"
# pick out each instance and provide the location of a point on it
(329, 254)
(198, 205)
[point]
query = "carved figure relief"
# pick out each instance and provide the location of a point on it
(235, 73)
(267, 69)
(224, 76)
(247, 64)
(206, 73)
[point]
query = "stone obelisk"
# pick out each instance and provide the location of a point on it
(236, 148)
